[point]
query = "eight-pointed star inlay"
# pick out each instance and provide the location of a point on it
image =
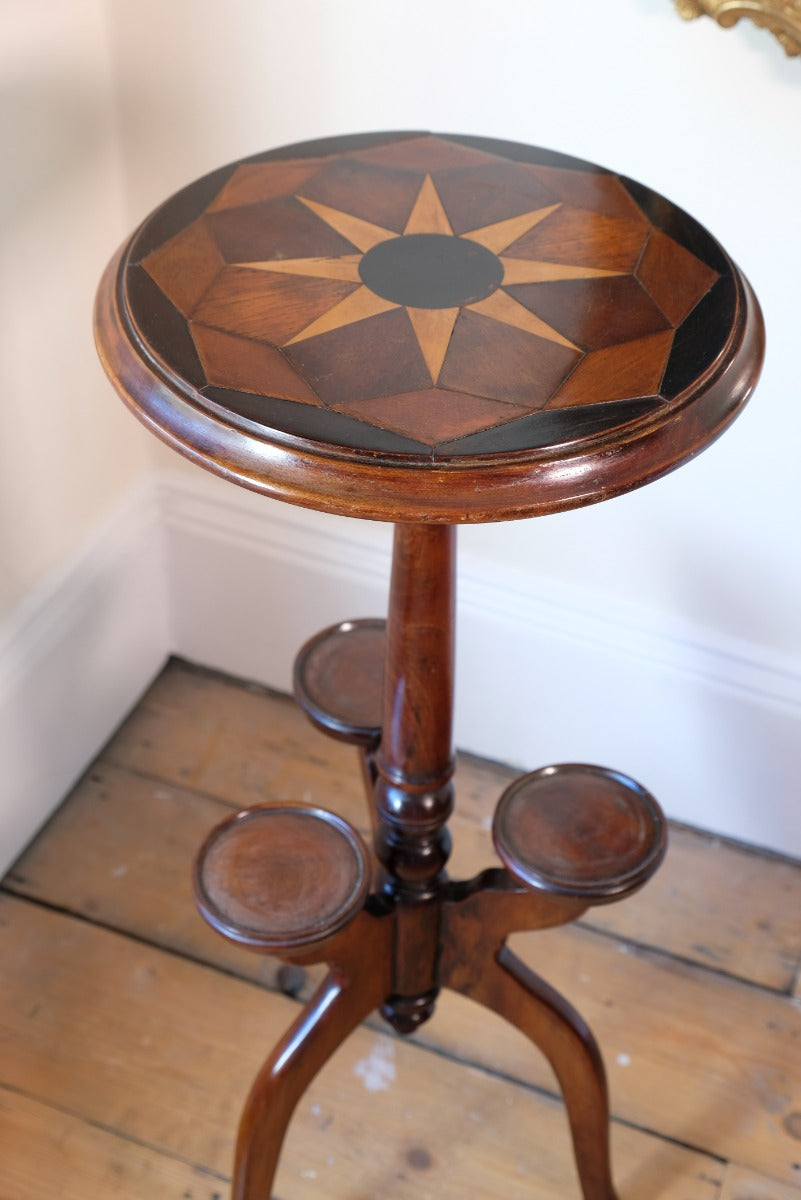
(425, 290)
(432, 323)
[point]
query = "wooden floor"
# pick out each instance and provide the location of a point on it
(129, 1033)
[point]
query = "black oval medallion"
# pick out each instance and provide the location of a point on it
(431, 270)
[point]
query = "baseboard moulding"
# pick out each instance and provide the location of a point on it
(711, 725)
(228, 580)
(75, 658)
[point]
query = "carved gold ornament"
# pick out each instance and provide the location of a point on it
(781, 17)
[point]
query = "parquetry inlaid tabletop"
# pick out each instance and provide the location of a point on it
(428, 327)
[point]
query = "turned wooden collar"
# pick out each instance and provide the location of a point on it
(419, 327)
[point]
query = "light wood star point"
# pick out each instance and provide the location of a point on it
(428, 214)
(433, 328)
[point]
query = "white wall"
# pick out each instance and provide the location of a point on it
(706, 558)
(69, 456)
(66, 452)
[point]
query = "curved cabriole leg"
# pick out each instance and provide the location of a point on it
(336, 1009)
(292, 880)
(508, 987)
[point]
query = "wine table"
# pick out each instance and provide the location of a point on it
(429, 330)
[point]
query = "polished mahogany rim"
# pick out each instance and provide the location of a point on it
(477, 489)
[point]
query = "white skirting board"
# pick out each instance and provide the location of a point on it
(74, 661)
(712, 728)
(231, 581)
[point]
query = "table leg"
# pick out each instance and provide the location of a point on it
(506, 986)
(333, 1012)
(357, 982)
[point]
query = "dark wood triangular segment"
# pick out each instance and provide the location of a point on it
(583, 238)
(593, 190)
(385, 198)
(322, 148)
(678, 225)
(675, 278)
(270, 307)
(253, 183)
(618, 372)
(427, 290)
(593, 313)
(433, 415)
(186, 265)
(426, 153)
(522, 369)
(178, 212)
(332, 427)
(280, 228)
(162, 327)
(481, 195)
(242, 364)
(522, 152)
(376, 357)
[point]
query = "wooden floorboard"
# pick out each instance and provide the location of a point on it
(129, 1033)
(711, 902)
(48, 1153)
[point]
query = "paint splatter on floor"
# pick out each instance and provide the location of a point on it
(377, 1071)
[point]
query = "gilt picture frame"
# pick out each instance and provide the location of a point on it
(781, 17)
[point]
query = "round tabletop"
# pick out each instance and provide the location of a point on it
(419, 327)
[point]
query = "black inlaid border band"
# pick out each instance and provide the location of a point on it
(701, 337)
(678, 225)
